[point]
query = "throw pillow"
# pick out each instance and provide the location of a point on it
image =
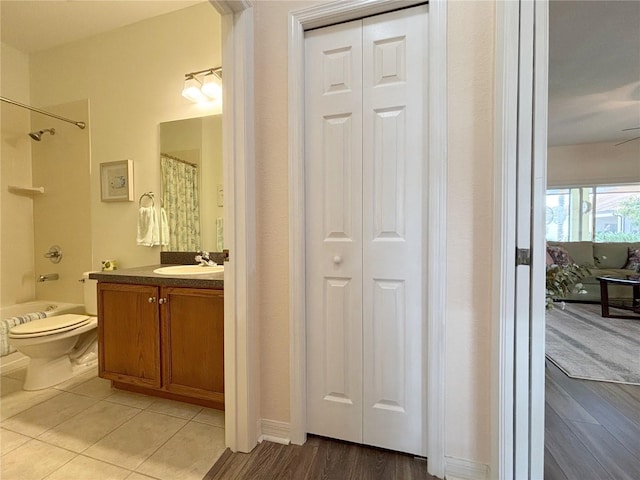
(549, 259)
(559, 255)
(633, 259)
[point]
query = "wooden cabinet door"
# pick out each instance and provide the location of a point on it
(193, 342)
(129, 334)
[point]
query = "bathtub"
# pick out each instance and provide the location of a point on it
(51, 308)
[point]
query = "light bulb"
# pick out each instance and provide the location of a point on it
(191, 90)
(212, 86)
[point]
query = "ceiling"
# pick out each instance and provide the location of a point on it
(594, 71)
(35, 25)
(594, 59)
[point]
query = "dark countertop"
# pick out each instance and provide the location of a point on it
(144, 275)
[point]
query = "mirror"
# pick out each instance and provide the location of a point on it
(192, 191)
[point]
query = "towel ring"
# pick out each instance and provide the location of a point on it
(150, 196)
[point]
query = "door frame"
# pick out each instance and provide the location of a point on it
(241, 362)
(434, 390)
(520, 98)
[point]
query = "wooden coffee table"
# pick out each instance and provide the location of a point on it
(604, 296)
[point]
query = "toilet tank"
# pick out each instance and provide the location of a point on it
(90, 294)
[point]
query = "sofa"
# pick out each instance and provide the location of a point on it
(602, 259)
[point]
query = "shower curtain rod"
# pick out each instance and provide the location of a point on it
(179, 159)
(80, 125)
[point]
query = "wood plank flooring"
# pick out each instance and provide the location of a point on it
(318, 459)
(592, 432)
(592, 429)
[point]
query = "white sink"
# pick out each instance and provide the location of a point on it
(189, 270)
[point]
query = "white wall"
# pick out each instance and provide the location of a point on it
(17, 275)
(132, 78)
(593, 164)
(62, 215)
(469, 229)
(471, 27)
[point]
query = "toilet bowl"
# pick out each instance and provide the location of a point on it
(59, 347)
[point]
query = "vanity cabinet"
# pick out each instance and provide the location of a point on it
(164, 341)
(129, 334)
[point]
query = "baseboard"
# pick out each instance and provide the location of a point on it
(459, 469)
(275, 431)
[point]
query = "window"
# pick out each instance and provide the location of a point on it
(598, 213)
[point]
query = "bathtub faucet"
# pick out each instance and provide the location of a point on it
(48, 276)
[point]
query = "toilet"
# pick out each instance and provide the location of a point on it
(59, 347)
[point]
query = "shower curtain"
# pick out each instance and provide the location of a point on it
(181, 203)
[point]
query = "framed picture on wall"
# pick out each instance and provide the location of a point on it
(116, 181)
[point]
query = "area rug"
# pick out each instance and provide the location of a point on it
(585, 345)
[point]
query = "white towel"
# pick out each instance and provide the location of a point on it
(8, 323)
(164, 227)
(148, 231)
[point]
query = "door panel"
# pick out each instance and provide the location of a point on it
(389, 173)
(336, 354)
(393, 155)
(388, 335)
(337, 177)
(333, 186)
(364, 153)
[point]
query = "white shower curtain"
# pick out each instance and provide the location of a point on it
(182, 204)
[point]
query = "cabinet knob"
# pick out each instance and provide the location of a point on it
(337, 259)
(162, 300)
(151, 299)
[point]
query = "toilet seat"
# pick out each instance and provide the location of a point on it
(49, 326)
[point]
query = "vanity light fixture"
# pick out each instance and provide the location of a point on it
(204, 85)
(212, 85)
(191, 90)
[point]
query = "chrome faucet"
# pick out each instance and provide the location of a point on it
(48, 276)
(203, 259)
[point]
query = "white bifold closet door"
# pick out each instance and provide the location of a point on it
(365, 144)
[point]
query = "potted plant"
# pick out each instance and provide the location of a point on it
(563, 280)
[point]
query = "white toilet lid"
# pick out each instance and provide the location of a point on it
(49, 325)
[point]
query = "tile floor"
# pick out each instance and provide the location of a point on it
(85, 430)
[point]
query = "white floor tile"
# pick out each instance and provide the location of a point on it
(85, 468)
(210, 416)
(42, 417)
(78, 379)
(96, 388)
(33, 461)
(175, 409)
(134, 441)
(138, 476)
(88, 427)
(130, 399)
(11, 440)
(16, 400)
(188, 455)
(109, 427)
